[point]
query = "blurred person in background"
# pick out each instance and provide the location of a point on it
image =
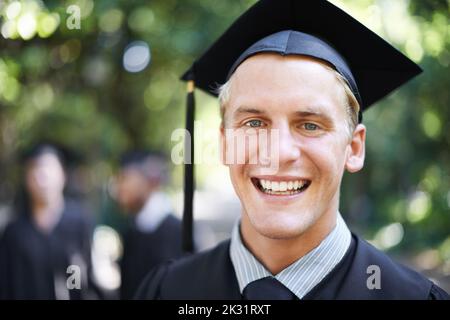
(154, 233)
(45, 249)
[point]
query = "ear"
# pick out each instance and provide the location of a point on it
(356, 151)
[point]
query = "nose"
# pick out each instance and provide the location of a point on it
(41, 178)
(288, 146)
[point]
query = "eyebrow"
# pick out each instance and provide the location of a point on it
(247, 110)
(316, 114)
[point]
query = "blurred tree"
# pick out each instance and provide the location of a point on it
(72, 86)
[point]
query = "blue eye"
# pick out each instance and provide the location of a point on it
(254, 123)
(311, 126)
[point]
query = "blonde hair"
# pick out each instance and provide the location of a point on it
(351, 104)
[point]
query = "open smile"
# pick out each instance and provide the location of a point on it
(281, 187)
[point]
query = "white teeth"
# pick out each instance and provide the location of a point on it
(263, 183)
(290, 184)
(287, 187)
(275, 186)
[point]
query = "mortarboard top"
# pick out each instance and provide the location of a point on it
(372, 67)
(152, 164)
(66, 156)
(137, 157)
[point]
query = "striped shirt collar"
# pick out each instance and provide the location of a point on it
(301, 276)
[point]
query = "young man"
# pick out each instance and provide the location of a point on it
(154, 234)
(301, 72)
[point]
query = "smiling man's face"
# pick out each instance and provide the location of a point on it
(303, 101)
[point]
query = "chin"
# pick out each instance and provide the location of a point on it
(282, 225)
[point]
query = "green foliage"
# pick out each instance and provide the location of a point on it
(70, 86)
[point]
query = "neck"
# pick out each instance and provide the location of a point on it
(278, 254)
(46, 214)
(143, 201)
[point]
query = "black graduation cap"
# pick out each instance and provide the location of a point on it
(151, 163)
(66, 156)
(316, 28)
(137, 157)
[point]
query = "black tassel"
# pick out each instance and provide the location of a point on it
(189, 185)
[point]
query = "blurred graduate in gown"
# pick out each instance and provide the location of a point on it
(153, 234)
(45, 249)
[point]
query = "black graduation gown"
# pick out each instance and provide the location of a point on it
(210, 276)
(145, 250)
(34, 264)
